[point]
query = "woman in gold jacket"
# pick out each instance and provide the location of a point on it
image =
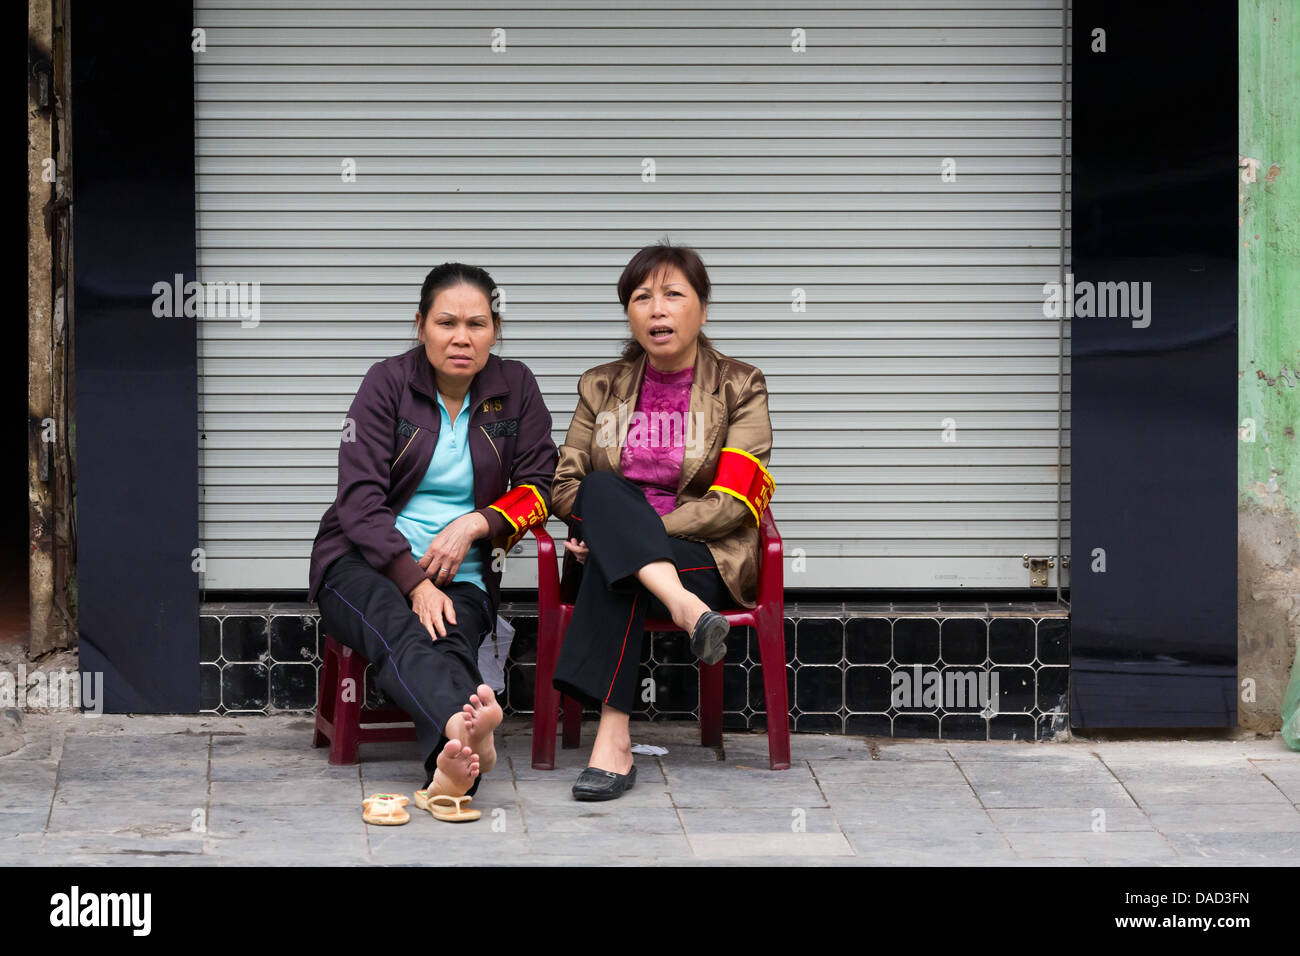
(662, 479)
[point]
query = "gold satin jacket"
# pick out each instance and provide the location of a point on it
(728, 407)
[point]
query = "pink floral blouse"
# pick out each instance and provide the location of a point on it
(656, 436)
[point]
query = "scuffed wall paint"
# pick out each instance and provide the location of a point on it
(1268, 375)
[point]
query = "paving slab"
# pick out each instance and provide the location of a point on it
(957, 796)
(887, 773)
(1049, 793)
(887, 748)
(27, 793)
(1111, 845)
(96, 757)
(991, 774)
(754, 747)
(1223, 793)
(770, 846)
(179, 843)
(729, 785)
(1211, 818)
(559, 793)
(125, 791)
(144, 817)
(83, 796)
(568, 764)
(768, 820)
(1016, 751)
(939, 822)
(303, 790)
(16, 823)
(497, 837)
(1070, 819)
(1255, 848)
(609, 816)
(1284, 774)
(915, 849)
(645, 847)
(282, 832)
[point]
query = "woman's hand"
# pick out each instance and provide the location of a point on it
(448, 549)
(433, 607)
(579, 550)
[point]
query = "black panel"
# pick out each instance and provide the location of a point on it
(260, 659)
(1153, 640)
(136, 374)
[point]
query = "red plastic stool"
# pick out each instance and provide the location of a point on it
(340, 707)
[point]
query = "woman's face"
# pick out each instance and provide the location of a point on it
(666, 316)
(457, 334)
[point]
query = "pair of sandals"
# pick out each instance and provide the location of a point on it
(709, 644)
(389, 809)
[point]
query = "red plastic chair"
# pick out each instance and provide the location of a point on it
(767, 619)
(340, 723)
(338, 719)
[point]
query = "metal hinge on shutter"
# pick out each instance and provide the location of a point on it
(1039, 568)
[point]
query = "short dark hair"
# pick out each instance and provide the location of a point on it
(451, 274)
(652, 259)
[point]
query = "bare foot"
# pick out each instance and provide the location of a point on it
(457, 767)
(482, 716)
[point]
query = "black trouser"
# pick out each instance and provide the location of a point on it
(430, 680)
(601, 651)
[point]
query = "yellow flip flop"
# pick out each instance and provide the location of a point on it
(385, 809)
(449, 809)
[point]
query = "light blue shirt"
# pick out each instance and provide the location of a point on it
(446, 493)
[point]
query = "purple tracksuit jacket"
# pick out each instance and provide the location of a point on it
(393, 425)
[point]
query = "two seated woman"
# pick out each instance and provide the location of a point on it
(447, 459)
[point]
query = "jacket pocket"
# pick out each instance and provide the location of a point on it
(503, 428)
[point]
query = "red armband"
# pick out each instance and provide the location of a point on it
(523, 507)
(743, 476)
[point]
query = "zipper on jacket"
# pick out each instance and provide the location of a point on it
(403, 451)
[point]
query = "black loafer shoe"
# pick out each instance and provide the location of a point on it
(595, 784)
(709, 637)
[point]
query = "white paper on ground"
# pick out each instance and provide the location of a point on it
(650, 749)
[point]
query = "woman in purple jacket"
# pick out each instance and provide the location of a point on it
(446, 460)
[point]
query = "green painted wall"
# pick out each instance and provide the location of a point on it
(1269, 253)
(1268, 369)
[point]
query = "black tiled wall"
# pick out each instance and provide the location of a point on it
(843, 667)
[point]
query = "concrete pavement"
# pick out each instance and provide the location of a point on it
(185, 790)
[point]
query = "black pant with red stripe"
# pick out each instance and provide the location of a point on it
(601, 652)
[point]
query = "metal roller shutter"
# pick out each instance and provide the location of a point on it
(817, 171)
